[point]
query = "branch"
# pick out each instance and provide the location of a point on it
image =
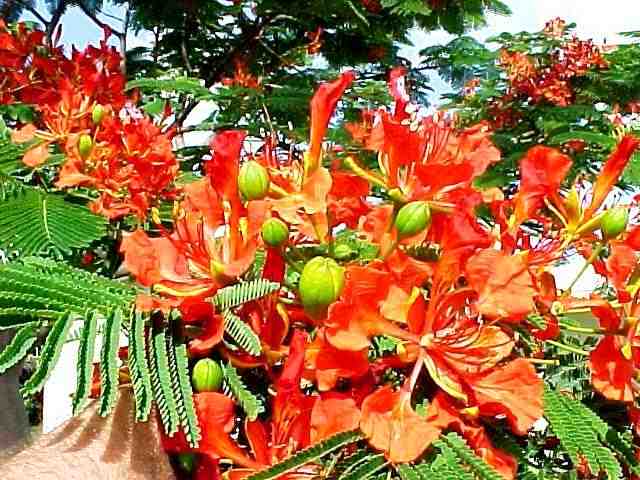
(34, 12)
(98, 22)
(55, 19)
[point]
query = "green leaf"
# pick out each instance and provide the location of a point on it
(251, 405)
(20, 344)
(36, 288)
(179, 85)
(139, 368)
(366, 468)
(109, 362)
(33, 222)
(84, 362)
(49, 356)
(162, 385)
(241, 333)
(236, 295)
(179, 365)
(589, 137)
(308, 455)
(10, 155)
(581, 433)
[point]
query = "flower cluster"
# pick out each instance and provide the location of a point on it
(83, 111)
(454, 293)
(550, 81)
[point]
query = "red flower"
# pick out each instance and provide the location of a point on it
(392, 426)
(323, 104)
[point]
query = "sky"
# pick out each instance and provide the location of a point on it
(596, 19)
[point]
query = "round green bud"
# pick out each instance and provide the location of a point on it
(85, 145)
(321, 283)
(253, 181)
(275, 232)
(412, 218)
(97, 113)
(614, 222)
(186, 461)
(206, 376)
(342, 252)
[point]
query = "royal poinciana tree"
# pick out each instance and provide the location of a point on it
(297, 308)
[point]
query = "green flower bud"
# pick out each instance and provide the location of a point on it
(342, 252)
(186, 461)
(206, 376)
(275, 232)
(85, 145)
(413, 218)
(614, 222)
(253, 181)
(97, 113)
(321, 283)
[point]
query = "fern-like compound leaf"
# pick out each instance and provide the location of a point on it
(109, 362)
(366, 468)
(251, 404)
(34, 222)
(139, 368)
(183, 85)
(10, 155)
(50, 354)
(35, 288)
(236, 295)
(85, 361)
(308, 455)
(408, 472)
(20, 344)
(161, 383)
(178, 362)
(482, 470)
(241, 333)
(581, 433)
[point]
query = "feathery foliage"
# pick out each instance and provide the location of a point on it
(35, 289)
(33, 222)
(19, 346)
(50, 354)
(109, 362)
(139, 368)
(85, 361)
(241, 333)
(365, 468)
(179, 365)
(308, 455)
(251, 404)
(454, 461)
(236, 295)
(583, 434)
(10, 155)
(161, 382)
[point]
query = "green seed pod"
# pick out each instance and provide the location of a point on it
(186, 461)
(614, 222)
(413, 218)
(97, 113)
(321, 283)
(342, 252)
(85, 145)
(275, 232)
(206, 376)
(253, 181)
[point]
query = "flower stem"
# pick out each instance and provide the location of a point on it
(585, 330)
(568, 348)
(594, 255)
